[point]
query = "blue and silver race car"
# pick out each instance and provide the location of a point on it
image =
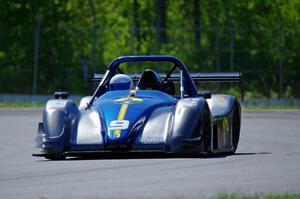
(149, 111)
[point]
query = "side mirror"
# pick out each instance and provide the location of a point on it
(205, 95)
(61, 95)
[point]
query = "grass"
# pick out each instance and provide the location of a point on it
(258, 196)
(271, 107)
(22, 104)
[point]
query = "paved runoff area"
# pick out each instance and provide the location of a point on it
(267, 161)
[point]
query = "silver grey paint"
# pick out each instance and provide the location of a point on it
(84, 102)
(220, 105)
(155, 132)
(89, 128)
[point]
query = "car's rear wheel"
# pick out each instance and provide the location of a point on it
(236, 125)
(206, 132)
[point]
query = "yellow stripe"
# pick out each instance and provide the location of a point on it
(121, 116)
(122, 112)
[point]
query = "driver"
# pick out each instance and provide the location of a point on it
(121, 82)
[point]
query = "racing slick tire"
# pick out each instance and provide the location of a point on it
(236, 126)
(206, 131)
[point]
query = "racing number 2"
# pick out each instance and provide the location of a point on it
(118, 124)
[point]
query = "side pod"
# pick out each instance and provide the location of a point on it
(226, 113)
(187, 118)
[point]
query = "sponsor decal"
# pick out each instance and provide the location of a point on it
(151, 140)
(128, 100)
(56, 103)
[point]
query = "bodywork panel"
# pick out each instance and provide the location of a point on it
(186, 119)
(221, 107)
(153, 134)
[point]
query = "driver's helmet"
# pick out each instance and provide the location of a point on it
(121, 82)
(149, 80)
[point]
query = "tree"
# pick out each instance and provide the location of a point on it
(161, 23)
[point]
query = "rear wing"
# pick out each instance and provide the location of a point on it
(197, 77)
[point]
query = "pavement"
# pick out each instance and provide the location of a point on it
(267, 161)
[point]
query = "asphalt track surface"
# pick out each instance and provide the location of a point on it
(267, 161)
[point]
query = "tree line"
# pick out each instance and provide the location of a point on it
(51, 45)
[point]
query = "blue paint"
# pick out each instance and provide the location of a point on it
(110, 109)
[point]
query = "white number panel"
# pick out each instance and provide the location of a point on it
(118, 125)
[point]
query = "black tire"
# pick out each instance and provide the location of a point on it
(55, 157)
(205, 131)
(236, 126)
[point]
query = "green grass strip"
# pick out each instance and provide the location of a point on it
(22, 104)
(258, 196)
(270, 107)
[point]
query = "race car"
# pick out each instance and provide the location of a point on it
(149, 111)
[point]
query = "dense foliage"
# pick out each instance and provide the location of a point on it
(56, 38)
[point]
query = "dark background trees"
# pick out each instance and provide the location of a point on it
(49, 42)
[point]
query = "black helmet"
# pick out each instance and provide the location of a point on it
(149, 80)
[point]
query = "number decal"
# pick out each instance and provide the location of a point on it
(118, 125)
